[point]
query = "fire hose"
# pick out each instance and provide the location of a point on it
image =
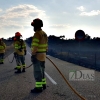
(82, 98)
(12, 59)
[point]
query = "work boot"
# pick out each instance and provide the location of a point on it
(18, 71)
(23, 70)
(37, 90)
(44, 86)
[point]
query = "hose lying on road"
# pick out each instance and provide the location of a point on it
(60, 74)
(18, 62)
(29, 66)
(12, 59)
(67, 81)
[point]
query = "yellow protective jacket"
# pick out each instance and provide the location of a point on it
(2, 47)
(40, 42)
(19, 47)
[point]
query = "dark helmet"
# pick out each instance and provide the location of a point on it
(37, 22)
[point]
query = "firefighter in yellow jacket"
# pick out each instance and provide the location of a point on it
(19, 46)
(15, 55)
(2, 51)
(39, 47)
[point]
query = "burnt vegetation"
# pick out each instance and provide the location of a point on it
(85, 53)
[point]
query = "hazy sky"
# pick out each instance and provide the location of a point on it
(60, 17)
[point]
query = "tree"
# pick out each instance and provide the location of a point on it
(62, 37)
(87, 37)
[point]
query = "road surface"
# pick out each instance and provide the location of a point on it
(17, 86)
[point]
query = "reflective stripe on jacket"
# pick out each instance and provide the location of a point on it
(2, 47)
(40, 41)
(19, 47)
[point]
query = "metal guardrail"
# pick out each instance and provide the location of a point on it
(86, 59)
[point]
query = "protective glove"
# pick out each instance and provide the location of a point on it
(33, 59)
(20, 49)
(25, 51)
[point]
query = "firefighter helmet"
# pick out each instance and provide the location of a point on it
(37, 22)
(18, 34)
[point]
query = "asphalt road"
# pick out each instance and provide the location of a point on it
(17, 86)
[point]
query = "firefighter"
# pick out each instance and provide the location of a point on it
(2, 51)
(20, 50)
(39, 47)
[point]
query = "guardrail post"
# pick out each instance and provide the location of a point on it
(95, 60)
(79, 52)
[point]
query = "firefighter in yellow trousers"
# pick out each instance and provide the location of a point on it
(39, 47)
(2, 51)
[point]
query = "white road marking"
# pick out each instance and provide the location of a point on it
(48, 76)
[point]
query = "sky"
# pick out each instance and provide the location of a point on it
(60, 17)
